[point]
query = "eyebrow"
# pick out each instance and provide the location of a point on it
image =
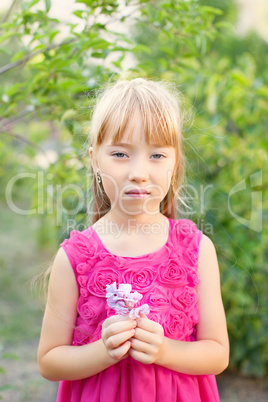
(128, 145)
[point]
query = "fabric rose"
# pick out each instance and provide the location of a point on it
(158, 299)
(193, 277)
(122, 300)
(83, 268)
(173, 273)
(184, 299)
(91, 309)
(186, 227)
(191, 258)
(112, 260)
(190, 253)
(82, 332)
(81, 247)
(84, 292)
(101, 276)
(176, 324)
(141, 276)
(82, 280)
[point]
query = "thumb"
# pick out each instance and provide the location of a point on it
(143, 316)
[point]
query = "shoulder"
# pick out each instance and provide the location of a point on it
(206, 248)
(62, 278)
(61, 265)
(207, 259)
(206, 245)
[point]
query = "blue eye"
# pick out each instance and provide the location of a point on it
(119, 153)
(158, 155)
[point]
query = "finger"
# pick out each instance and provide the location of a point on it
(115, 318)
(143, 316)
(143, 347)
(121, 351)
(147, 324)
(115, 341)
(142, 335)
(140, 356)
(118, 327)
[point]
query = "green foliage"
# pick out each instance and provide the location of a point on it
(51, 79)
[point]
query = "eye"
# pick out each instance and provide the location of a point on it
(159, 155)
(119, 153)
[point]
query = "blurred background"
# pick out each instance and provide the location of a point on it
(54, 57)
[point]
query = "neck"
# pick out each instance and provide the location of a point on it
(136, 224)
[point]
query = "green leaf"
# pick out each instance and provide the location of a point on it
(27, 6)
(212, 10)
(48, 5)
(2, 370)
(141, 48)
(18, 56)
(53, 34)
(78, 13)
(6, 387)
(5, 51)
(10, 356)
(14, 89)
(225, 24)
(7, 35)
(87, 2)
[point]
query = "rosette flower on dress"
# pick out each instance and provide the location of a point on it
(142, 278)
(84, 250)
(158, 299)
(176, 325)
(173, 273)
(102, 275)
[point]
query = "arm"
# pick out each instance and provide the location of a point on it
(57, 358)
(209, 354)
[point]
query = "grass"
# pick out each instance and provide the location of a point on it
(20, 314)
(21, 309)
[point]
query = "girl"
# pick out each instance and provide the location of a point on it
(174, 352)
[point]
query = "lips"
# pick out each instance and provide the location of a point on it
(135, 191)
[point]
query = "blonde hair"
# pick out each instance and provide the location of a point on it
(115, 111)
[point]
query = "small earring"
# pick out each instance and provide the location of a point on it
(98, 177)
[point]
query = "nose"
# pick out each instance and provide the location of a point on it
(138, 171)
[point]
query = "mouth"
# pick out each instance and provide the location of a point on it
(137, 193)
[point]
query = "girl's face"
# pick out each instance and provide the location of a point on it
(133, 166)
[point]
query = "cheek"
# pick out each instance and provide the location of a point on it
(163, 177)
(110, 186)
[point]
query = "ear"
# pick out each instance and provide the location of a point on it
(93, 159)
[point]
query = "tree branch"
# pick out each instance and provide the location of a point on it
(8, 12)
(23, 139)
(30, 56)
(24, 60)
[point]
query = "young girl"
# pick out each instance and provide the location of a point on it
(173, 352)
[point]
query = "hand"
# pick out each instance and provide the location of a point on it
(116, 332)
(147, 343)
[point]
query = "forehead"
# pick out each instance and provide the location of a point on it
(135, 133)
(130, 131)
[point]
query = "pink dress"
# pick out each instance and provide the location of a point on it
(167, 278)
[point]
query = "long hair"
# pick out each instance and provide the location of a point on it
(157, 103)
